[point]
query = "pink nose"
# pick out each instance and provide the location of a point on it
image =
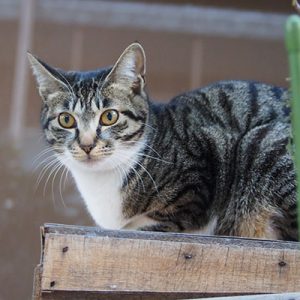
(87, 148)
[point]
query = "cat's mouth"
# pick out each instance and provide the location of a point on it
(91, 160)
(88, 164)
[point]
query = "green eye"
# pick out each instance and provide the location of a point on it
(66, 120)
(109, 117)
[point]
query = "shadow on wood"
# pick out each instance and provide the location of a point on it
(91, 263)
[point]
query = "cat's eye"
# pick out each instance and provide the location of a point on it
(109, 117)
(66, 120)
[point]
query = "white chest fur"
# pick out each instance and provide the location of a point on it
(101, 193)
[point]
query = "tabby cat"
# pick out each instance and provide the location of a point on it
(212, 161)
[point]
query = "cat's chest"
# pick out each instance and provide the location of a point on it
(101, 193)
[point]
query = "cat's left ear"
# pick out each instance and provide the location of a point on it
(130, 69)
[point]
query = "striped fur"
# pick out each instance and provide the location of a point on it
(213, 160)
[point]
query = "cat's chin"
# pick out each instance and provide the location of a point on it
(90, 163)
(95, 165)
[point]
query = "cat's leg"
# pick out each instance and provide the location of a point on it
(162, 227)
(141, 221)
(186, 220)
(263, 193)
(254, 217)
(254, 224)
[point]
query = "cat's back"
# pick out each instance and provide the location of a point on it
(234, 105)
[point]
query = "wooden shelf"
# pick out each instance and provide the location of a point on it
(90, 263)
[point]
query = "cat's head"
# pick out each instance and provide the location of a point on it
(95, 120)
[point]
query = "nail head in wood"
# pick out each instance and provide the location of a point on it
(188, 256)
(52, 283)
(282, 263)
(65, 249)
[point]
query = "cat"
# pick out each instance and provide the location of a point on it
(212, 161)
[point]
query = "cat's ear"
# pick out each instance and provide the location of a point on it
(49, 80)
(130, 69)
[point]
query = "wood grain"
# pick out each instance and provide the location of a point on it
(36, 293)
(87, 260)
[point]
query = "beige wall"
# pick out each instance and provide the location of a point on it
(170, 59)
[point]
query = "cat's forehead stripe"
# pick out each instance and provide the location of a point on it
(85, 96)
(106, 103)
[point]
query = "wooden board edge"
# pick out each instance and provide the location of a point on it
(284, 296)
(116, 295)
(170, 236)
(37, 280)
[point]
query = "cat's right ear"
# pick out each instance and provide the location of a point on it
(49, 81)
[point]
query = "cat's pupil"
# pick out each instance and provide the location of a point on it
(109, 116)
(67, 119)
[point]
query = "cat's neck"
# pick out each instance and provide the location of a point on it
(101, 193)
(101, 189)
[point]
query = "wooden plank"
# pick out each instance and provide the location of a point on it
(85, 261)
(189, 19)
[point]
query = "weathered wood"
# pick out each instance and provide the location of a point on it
(91, 263)
(36, 294)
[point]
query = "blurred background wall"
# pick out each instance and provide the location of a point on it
(187, 43)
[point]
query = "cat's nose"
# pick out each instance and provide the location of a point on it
(87, 148)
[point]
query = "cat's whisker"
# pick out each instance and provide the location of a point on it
(52, 195)
(44, 171)
(137, 173)
(42, 153)
(57, 165)
(140, 178)
(152, 157)
(122, 170)
(155, 186)
(61, 185)
(60, 181)
(66, 178)
(136, 162)
(40, 163)
(53, 179)
(119, 165)
(45, 160)
(119, 170)
(149, 126)
(45, 152)
(45, 167)
(143, 144)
